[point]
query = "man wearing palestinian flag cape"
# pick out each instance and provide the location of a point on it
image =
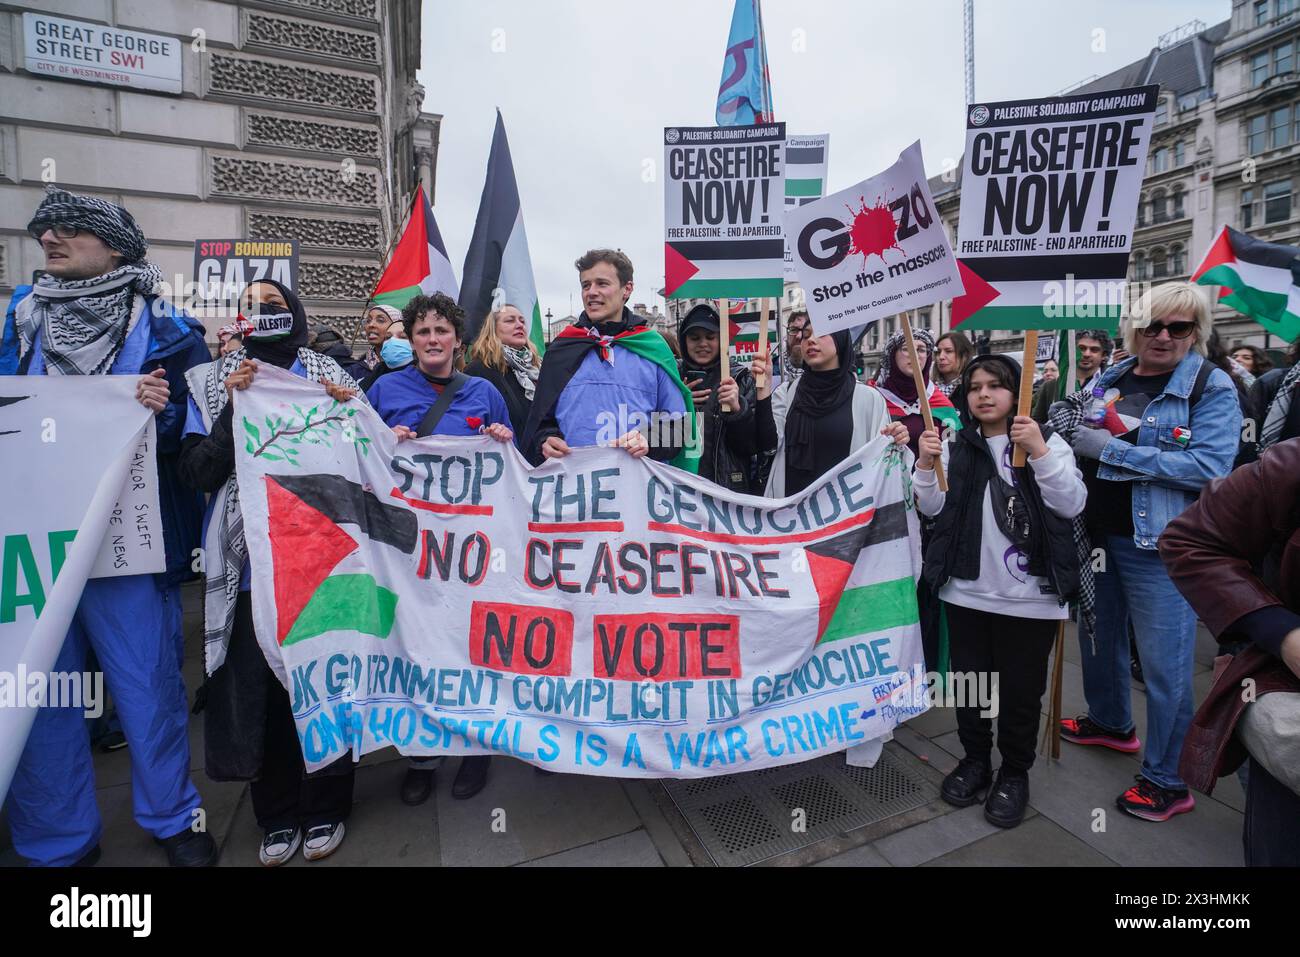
(608, 380)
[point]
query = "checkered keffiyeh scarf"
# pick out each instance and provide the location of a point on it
(224, 538)
(521, 364)
(1279, 409)
(83, 322)
(240, 327)
(1065, 417)
(110, 222)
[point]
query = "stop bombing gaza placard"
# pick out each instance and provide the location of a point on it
(873, 250)
(1049, 195)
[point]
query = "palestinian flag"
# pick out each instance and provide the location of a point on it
(805, 169)
(1041, 292)
(498, 270)
(314, 592)
(744, 335)
(853, 599)
(1258, 279)
(419, 263)
(570, 348)
(714, 269)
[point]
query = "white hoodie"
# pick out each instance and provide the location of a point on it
(1003, 586)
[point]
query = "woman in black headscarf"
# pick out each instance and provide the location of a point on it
(815, 422)
(249, 732)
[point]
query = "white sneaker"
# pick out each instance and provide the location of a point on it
(322, 841)
(278, 846)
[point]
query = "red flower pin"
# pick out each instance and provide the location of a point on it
(474, 422)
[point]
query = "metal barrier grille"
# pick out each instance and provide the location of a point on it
(743, 819)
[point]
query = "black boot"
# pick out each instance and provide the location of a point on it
(471, 776)
(190, 849)
(417, 786)
(1008, 798)
(967, 783)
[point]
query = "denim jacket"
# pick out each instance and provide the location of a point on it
(1168, 475)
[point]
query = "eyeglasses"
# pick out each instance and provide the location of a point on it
(801, 332)
(1176, 330)
(60, 231)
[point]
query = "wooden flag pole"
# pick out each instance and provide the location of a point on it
(763, 315)
(724, 342)
(724, 330)
(1052, 732)
(922, 395)
(1025, 403)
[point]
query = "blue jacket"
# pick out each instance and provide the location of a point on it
(1168, 476)
(176, 344)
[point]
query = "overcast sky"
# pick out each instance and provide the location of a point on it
(586, 88)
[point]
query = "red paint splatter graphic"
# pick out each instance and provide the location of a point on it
(873, 231)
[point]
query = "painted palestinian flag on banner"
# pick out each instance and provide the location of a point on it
(723, 198)
(854, 597)
(1258, 279)
(419, 263)
(315, 592)
(498, 270)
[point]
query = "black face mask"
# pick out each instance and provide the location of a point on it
(277, 334)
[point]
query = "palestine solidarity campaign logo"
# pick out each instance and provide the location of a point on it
(304, 515)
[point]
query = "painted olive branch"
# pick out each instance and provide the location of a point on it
(294, 431)
(288, 432)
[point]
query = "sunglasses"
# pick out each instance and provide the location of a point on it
(60, 232)
(1176, 330)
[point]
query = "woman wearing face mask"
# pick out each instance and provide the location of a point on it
(394, 354)
(505, 356)
(894, 381)
(376, 327)
(725, 405)
(429, 397)
(249, 731)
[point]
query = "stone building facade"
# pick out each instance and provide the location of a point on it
(297, 119)
(1255, 166)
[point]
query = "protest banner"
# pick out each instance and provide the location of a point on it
(603, 615)
(806, 161)
(723, 192)
(1049, 194)
(223, 267)
(873, 250)
(81, 493)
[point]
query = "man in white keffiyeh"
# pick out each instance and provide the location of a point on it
(94, 312)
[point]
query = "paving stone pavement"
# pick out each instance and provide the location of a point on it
(523, 818)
